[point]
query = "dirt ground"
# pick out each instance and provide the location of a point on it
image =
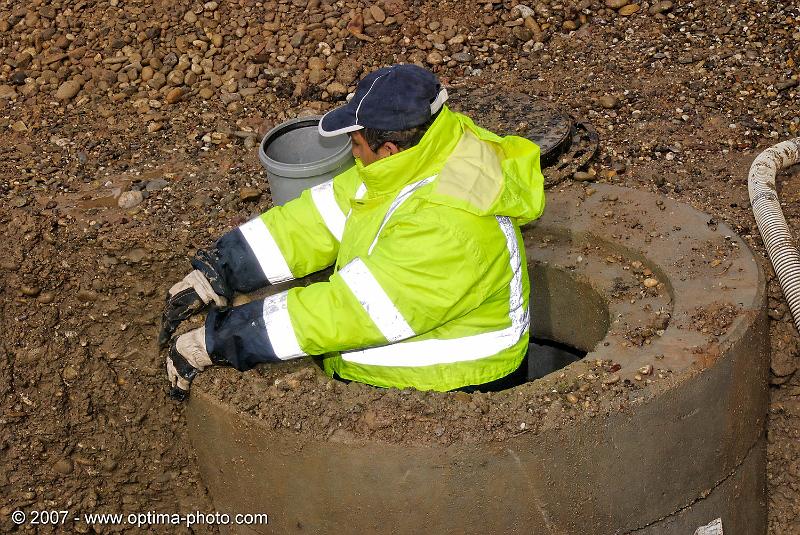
(129, 134)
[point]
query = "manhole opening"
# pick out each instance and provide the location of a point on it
(544, 357)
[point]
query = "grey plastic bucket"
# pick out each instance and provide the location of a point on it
(296, 157)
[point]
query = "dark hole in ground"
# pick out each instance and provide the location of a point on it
(544, 357)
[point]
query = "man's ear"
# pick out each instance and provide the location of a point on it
(390, 147)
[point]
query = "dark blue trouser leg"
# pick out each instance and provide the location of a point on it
(230, 265)
(239, 335)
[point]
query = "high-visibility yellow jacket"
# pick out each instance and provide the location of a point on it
(430, 288)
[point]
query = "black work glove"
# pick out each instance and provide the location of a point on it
(184, 299)
(187, 357)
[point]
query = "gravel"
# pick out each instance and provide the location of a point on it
(98, 98)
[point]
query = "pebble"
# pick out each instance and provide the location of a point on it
(85, 296)
(46, 298)
(129, 199)
(377, 13)
(7, 92)
(174, 95)
(608, 102)
(30, 291)
(611, 379)
(660, 7)
(646, 370)
(650, 283)
(64, 467)
(572, 398)
(337, 89)
(582, 176)
(156, 184)
(69, 373)
(249, 194)
(68, 90)
(628, 10)
(462, 57)
(616, 4)
(434, 58)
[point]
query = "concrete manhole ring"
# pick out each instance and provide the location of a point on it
(659, 429)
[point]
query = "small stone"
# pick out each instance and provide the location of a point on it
(206, 93)
(348, 71)
(190, 17)
(19, 126)
(19, 201)
(136, 255)
(157, 81)
(69, 373)
(628, 10)
(64, 467)
(30, 291)
(108, 465)
(660, 7)
(156, 184)
(19, 77)
(650, 282)
(611, 379)
(462, 57)
(68, 90)
(582, 176)
(249, 194)
(572, 398)
(316, 76)
(7, 92)
(646, 370)
(523, 33)
(174, 95)
(434, 58)
(336, 89)
(783, 85)
(129, 199)
(608, 102)
(86, 296)
(377, 13)
(46, 298)
(616, 4)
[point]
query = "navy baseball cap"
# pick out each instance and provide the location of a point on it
(392, 98)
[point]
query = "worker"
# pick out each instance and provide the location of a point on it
(430, 284)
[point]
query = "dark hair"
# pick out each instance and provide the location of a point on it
(404, 139)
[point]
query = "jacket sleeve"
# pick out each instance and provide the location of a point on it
(422, 273)
(284, 243)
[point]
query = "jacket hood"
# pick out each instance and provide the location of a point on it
(478, 171)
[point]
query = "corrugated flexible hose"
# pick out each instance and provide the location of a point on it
(781, 247)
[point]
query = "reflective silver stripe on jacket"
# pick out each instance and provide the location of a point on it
(376, 303)
(328, 208)
(404, 194)
(473, 347)
(325, 203)
(279, 327)
(266, 251)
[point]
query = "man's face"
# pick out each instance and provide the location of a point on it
(363, 152)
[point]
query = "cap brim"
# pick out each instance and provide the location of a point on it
(337, 122)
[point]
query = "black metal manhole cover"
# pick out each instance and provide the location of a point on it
(565, 146)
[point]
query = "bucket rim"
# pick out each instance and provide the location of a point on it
(300, 170)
